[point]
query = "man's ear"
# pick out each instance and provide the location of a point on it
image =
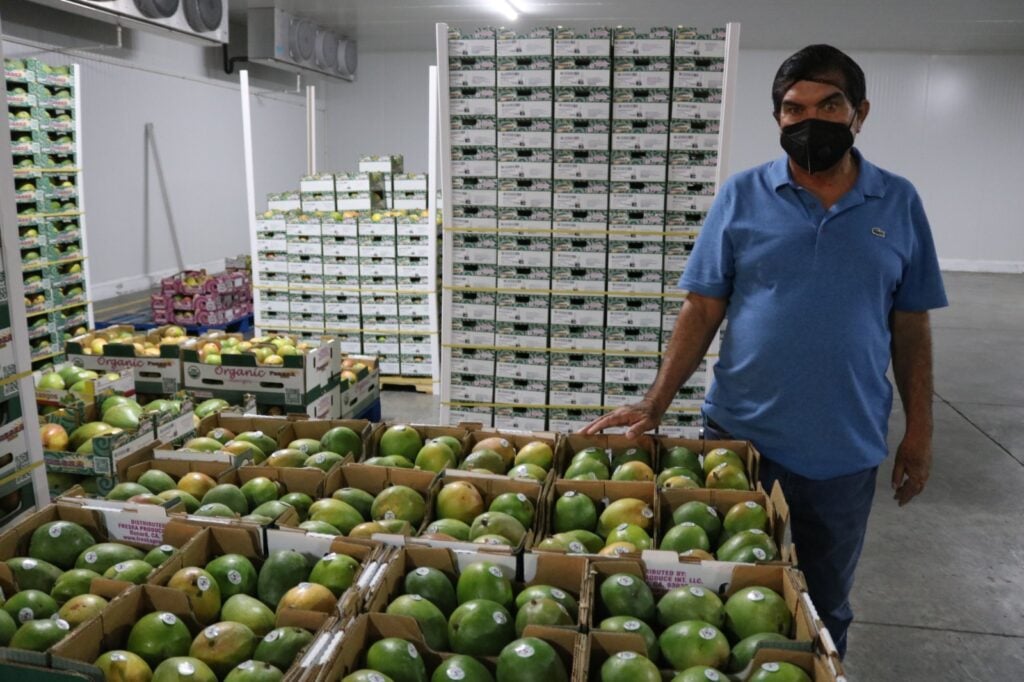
(862, 113)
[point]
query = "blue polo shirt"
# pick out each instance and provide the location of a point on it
(802, 367)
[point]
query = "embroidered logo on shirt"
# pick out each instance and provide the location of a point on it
(878, 232)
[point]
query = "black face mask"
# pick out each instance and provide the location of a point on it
(816, 145)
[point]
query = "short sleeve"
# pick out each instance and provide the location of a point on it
(921, 287)
(710, 268)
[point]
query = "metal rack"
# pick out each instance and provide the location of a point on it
(57, 322)
(23, 485)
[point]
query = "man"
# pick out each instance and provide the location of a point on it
(826, 269)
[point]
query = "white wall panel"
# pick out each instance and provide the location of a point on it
(383, 112)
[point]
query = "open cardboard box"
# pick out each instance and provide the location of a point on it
(390, 577)
(111, 455)
(200, 545)
(723, 500)
(602, 645)
(602, 493)
(209, 543)
(314, 546)
(160, 374)
(14, 541)
(568, 573)
(372, 479)
(221, 472)
(346, 651)
(288, 517)
(110, 629)
(518, 439)
(310, 480)
(745, 449)
(489, 488)
(142, 526)
(426, 432)
(271, 426)
(609, 442)
(725, 579)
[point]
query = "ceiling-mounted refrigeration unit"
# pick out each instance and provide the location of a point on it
(290, 42)
(198, 21)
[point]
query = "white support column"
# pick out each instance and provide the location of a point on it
(250, 188)
(445, 151)
(433, 169)
(76, 72)
(310, 129)
(732, 53)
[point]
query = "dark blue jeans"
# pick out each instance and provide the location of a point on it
(828, 520)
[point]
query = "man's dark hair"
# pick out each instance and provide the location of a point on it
(823, 64)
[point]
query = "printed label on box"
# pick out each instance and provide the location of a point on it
(643, 47)
(641, 111)
(472, 79)
(524, 140)
(697, 110)
(524, 79)
(526, 170)
(699, 79)
(525, 109)
(524, 199)
(583, 110)
(581, 171)
(472, 107)
(581, 202)
(587, 78)
(689, 202)
(642, 79)
(640, 141)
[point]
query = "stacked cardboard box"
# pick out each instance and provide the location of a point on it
(194, 297)
(42, 102)
(616, 178)
(473, 94)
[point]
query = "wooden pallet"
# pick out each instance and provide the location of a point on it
(420, 384)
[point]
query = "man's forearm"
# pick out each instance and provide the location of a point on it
(912, 369)
(696, 325)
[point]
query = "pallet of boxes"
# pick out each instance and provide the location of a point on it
(197, 298)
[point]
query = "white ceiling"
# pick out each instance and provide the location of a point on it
(910, 25)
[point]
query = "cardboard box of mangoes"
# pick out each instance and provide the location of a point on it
(732, 618)
(279, 369)
(154, 355)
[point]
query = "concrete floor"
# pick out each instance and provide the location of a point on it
(940, 589)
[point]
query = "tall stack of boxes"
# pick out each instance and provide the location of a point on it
(415, 284)
(607, 162)
(641, 92)
(583, 93)
(473, 97)
(335, 263)
(41, 112)
(698, 85)
(525, 107)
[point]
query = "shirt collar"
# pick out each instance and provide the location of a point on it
(870, 181)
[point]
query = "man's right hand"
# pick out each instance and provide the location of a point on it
(639, 417)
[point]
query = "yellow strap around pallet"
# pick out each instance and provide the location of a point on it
(20, 473)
